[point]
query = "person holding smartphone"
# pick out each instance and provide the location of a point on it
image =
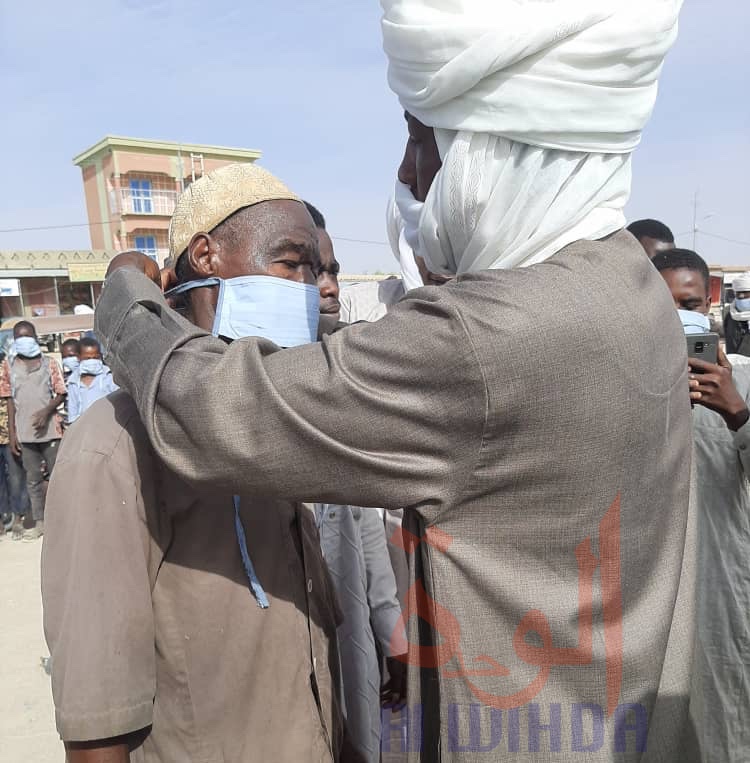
(720, 393)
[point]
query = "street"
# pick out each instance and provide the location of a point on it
(27, 725)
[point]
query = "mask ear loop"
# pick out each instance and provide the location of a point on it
(184, 288)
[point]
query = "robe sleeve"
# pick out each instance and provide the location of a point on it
(387, 414)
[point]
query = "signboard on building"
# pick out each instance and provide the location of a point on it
(9, 287)
(86, 271)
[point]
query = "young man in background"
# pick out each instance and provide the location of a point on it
(721, 432)
(90, 382)
(653, 236)
(34, 387)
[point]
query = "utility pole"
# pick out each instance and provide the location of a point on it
(695, 219)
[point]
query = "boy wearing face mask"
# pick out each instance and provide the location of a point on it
(90, 382)
(721, 432)
(70, 352)
(34, 387)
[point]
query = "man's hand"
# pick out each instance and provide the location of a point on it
(39, 420)
(15, 446)
(393, 691)
(712, 386)
(168, 279)
(136, 261)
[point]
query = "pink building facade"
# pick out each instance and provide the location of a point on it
(131, 187)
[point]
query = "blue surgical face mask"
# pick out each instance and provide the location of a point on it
(27, 346)
(71, 363)
(286, 312)
(742, 305)
(92, 367)
(694, 323)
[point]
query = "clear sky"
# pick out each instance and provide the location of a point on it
(305, 82)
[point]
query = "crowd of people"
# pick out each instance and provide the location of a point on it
(39, 398)
(491, 508)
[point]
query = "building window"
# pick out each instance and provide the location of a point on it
(147, 245)
(140, 196)
(39, 297)
(73, 294)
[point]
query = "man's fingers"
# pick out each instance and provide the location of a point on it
(168, 279)
(723, 360)
(136, 261)
(702, 366)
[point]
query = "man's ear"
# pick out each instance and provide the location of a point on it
(203, 255)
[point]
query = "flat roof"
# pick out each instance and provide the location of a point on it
(111, 142)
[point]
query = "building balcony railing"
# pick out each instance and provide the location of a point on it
(154, 202)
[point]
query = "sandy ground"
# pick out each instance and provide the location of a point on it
(27, 725)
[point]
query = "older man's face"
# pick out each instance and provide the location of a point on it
(421, 160)
(274, 238)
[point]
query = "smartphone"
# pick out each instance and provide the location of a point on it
(704, 347)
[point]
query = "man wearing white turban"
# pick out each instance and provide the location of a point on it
(534, 422)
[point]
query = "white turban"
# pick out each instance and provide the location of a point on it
(741, 283)
(537, 105)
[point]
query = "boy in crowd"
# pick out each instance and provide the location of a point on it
(71, 356)
(90, 382)
(34, 387)
(721, 432)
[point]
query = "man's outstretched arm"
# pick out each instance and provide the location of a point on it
(389, 414)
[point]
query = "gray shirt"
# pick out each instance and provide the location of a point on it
(722, 674)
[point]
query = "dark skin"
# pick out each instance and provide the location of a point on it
(418, 168)
(40, 419)
(327, 275)
(278, 239)
(89, 353)
(654, 245)
(69, 351)
(711, 384)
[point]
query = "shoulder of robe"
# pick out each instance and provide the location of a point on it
(111, 428)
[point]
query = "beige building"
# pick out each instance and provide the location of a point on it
(131, 187)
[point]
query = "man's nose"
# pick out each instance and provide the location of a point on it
(407, 171)
(328, 286)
